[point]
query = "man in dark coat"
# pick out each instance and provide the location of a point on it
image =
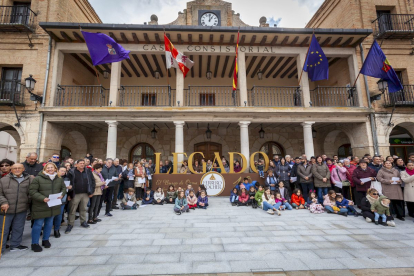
(109, 172)
(31, 166)
(376, 164)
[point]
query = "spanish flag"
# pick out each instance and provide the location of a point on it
(236, 67)
(176, 59)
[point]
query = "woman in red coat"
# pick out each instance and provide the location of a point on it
(361, 172)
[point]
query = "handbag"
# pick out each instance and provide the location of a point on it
(377, 186)
(345, 183)
(137, 183)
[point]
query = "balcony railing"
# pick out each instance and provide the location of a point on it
(398, 26)
(401, 98)
(17, 19)
(275, 96)
(326, 96)
(146, 96)
(211, 96)
(11, 91)
(87, 95)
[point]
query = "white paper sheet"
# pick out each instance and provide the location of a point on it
(149, 177)
(130, 203)
(131, 178)
(294, 179)
(107, 182)
(114, 178)
(365, 180)
(67, 183)
(54, 201)
(338, 184)
(394, 180)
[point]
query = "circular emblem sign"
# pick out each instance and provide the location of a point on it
(214, 183)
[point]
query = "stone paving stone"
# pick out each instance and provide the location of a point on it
(360, 245)
(90, 260)
(359, 263)
(150, 230)
(194, 257)
(172, 268)
(77, 251)
(72, 244)
(226, 240)
(135, 242)
(287, 264)
(242, 266)
(21, 263)
(52, 261)
(338, 238)
(390, 244)
(91, 270)
(389, 262)
(21, 271)
(197, 248)
(197, 241)
(336, 232)
(97, 244)
(120, 250)
(332, 253)
(366, 253)
(126, 259)
(211, 267)
(299, 246)
(175, 248)
(54, 271)
(162, 258)
(329, 245)
(324, 264)
(333, 273)
(167, 242)
(301, 254)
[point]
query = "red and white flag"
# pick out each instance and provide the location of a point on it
(176, 59)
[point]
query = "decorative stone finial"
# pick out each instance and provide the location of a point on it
(263, 20)
(154, 18)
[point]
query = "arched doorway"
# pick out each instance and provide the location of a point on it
(8, 147)
(272, 148)
(65, 152)
(208, 148)
(140, 151)
(344, 151)
(401, 142)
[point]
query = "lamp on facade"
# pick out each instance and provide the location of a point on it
(314, 133)
(154, 133)
(260, 74)
(157, 74)
(208, 132)
(382, 85)
(30, 83)
(209, 75)
(261, 132)
(106, 74)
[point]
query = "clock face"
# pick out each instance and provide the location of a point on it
(209, 19)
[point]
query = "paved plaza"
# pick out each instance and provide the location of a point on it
(221, 239)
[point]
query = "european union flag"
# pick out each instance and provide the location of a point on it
(316, 63)
(103, 49)
(376, 65)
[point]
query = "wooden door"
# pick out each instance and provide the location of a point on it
(208, 148)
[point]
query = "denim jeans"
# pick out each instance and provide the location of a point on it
(383, 216)
(267, 206)
(351, 210)
(287, 206)
(234, 199)
(321, 193)
(261, 173)
(37, 228)
(330, 210)
(57, 221)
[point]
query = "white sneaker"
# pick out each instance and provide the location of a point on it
(391, 223)
(270, 212)
(278, 212)
(367, 219)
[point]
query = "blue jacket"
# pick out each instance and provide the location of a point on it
(344, 202)
(233, 195)
(203, 200)
(180, 202)
(375, 168)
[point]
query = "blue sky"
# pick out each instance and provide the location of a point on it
(287, 13)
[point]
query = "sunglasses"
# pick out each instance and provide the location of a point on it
(55, 156)
(375, 194)
(1, 166)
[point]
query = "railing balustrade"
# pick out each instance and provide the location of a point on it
(11, 91)
(330, 96)
(394, 26)
(404, 97)
(85, 95)
(146, 96)
(211, 96)
(275, 96)
(11, 17)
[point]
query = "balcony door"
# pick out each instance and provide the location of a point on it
(10, 83)
(384, 21)
(20, 13)
(208, 148)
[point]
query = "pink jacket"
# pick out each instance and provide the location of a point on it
(279, 200)
(328, 202)
(243, 197)
(338, 174)
(192, 200)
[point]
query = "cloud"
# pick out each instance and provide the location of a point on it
(273, 22)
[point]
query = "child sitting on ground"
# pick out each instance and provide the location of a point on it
(129, 196)
(148, 197)
(252, 193)
(179, 189)
(171, 195)
(234, 197)
(192, 200)
(258, 197)
(329, 203)
(284, 204)
(159, 196)
(202, 200)
(313, 204)
(298, 201)
(181, 205)
(284, 192)
(189, 188)
(260, 168)
(342, 202)
(200, 189)
(243, 198)
(381, 208)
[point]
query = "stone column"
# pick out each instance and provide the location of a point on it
(58, 59)
(112, 138)
(116, 69)
(179, 140)
(353, 74)
(179, 97)
(304, 83)
(308, 139)
(244, 142)
(242, 80)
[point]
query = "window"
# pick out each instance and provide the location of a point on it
(20, 13)
(207, 99)
(149, 100)
(142, 150)
(65, 152)
(272, 148)
(344, 151)
(10, 83)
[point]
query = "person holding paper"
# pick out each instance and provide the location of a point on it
(391, 188)
(57, 221)
(109, 172)
(46, 183)
(100, 186)
(361, 172)
(304, 172)
(129, 201)
(321, 177)
(408, 177)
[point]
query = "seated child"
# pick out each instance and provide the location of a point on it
(313, 204)
(200, 189)
(271, 181)
(297, 200)
(159, 196)
(181, 205)
(243, 198)
(234, 197)
(381, 208)
(189, 188)
(329, 203)
(202, 200)
(252, 193)
(148, 197)
(171, 195)
(192, 200)
(344, 203)
(129, 197)
(284, 204)
(284, 192)
(260, 168)
(179, 189)
(258, 197)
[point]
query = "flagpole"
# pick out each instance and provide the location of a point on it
(168, 78)
(362, 66)
(307, 52)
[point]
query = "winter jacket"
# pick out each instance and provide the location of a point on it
(303, 172)
(392, 191)
(283, 172)
(359, 174)
(40, 188)
(99, 184)
(270, 200)
(133, 198)
(381, 209)
(338, 174)
(233, 197)
(344, 202)
(268, 181)
(310, 201)
(91, 181)
(202, 200)
(376, 168)
(285, 194)
(108, 173)
(279, 200)
(14, 194)
(328, 202)
(159, 196)
(252, 194)
(171, 194)
(191, 200)
(180, 202)
(243, 197)
(320, 171)
(151, 195)
(294, 172)
(409, 186)
(32, 169)
(258, 197)
(298, 200)
(365, 205)
(350, 170)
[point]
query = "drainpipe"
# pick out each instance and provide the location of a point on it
(371, 115)
(39, 137)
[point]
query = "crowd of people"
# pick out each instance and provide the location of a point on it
(380, 188)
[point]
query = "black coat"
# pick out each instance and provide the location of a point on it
(365, 205)
(91, 182)
(108, 173)
(32, 170)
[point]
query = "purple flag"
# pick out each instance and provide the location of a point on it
(103, 49)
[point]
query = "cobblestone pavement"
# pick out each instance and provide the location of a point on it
(221, 239)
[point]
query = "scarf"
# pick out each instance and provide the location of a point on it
(410, 172)
(51, 176)
(371, 199)
(102, 179)
(401, 168)
(332, 166)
